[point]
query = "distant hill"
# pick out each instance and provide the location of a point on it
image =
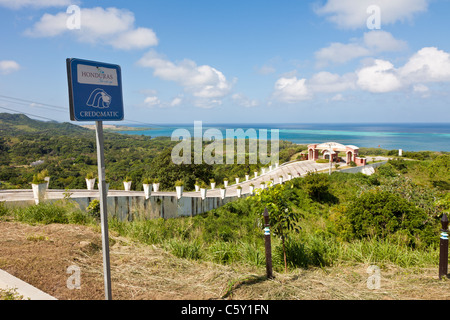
(19, 124)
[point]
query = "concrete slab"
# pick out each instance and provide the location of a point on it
(8, 281)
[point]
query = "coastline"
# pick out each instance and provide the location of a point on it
(389, 136)
(115, 127)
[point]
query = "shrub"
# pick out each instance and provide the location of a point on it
(316, 185)
(94, 208)
(386, 215)
(386, 171)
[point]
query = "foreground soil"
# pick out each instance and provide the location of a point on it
(42, 254)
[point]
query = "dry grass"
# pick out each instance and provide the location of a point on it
(41, 255)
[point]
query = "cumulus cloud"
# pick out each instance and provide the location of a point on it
(8, 66)
(110, 26)
(340, 53)
(351, 14)
(329, 82)
(382, 41)
(244, 101)
(428, 65)
(152, 101)
(379, 78)
(204, 82)
(373, 42)
(291, 90)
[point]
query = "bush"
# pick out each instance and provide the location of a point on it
(386, 215)
(387, 171)
(316, 185)
(94, 208)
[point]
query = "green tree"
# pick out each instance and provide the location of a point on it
(282, 219)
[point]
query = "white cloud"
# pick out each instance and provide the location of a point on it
(373, 42)
(338, 97)
(152, 101)
(8, 66)
(291, 90)
(18, 4)
(353, 14)
(383, 41)
(176, 101)
(427, 65)
(138, 38)
(379, 78)
(110, 26)
(328, 82)
(243, 101)
(340, 53)
(422, 90)
(203, 82)
(265, 70)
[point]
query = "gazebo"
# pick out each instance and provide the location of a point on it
(331, 149)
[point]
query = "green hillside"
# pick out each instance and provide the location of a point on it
(16, 124)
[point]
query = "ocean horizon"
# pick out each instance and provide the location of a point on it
(405, 136)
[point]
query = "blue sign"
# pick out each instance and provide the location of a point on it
(95, 91)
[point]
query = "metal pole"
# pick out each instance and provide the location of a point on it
(268, 244)
(443, 248)
(103, 209)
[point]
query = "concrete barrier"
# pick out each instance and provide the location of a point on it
(362, 168)
(127, 208)
(135, 206)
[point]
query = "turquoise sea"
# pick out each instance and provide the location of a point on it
(406, 136)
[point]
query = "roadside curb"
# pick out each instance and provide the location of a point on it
(8, 281)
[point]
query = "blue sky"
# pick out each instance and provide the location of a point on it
(236, 61)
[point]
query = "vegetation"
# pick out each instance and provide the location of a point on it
(320, 220)
(69, 154)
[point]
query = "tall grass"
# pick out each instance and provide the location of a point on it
(185, 238)
(46, 213)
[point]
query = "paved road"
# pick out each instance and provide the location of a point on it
(296, 169)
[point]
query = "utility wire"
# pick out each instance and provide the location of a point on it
(60, 108)
(28, 114)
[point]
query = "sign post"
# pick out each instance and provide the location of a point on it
(95, 94)
(268, 246)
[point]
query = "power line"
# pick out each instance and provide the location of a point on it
(43, 105)
(33, 105)
(34, 102)
(28, 114)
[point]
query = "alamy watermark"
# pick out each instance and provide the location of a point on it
(214, 152)
(374, 20)
(374, 280)
(73, 21)
(74, 280)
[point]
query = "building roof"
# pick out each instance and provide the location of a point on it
(335, 146)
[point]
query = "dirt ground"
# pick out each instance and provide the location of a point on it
(42, 254)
